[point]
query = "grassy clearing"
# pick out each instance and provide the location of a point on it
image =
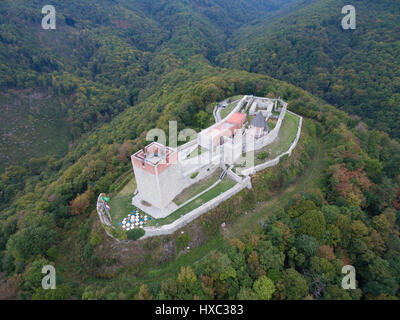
(196, 188)
(308, 181)
(286, 136)
(129, 188)
(228, 109)
(121, 204)
(120, 207)
(234, 98)
(194, 256)
(223, 186)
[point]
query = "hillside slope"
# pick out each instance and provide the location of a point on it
(102, 58)
(334, 202)
(352, 196)
(356, 70)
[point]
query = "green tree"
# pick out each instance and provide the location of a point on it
(32, 277)
(246, 294)
(307, 245)
(264, 288)
(62, 292)
(38, 236)
(292, 286)
(312, 223)
(186, 278)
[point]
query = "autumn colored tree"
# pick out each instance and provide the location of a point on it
(207, 286)
(82, 202)
(396, 200)
(254, 263)
(326, 252)
(382, 225)
(350, 185)
(124, 151)
(9, 289)
(235, 242)
(143, 293)
(186, 278)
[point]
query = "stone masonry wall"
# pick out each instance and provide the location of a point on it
(275, 161)
(189, 217)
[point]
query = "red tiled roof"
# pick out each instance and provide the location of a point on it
(237, 117)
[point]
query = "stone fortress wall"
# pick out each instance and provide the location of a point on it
(192, 215)
(275, 161)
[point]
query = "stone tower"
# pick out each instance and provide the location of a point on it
(158, 174)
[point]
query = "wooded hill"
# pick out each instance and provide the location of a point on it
(355, 70)
(334, 202)
(104, 57)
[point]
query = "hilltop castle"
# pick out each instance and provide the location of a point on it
(162, 172)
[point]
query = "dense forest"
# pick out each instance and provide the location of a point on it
(115, 69)
(104, 57)
(355, 70)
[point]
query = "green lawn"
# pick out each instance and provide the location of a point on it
(120, 207)
(228, 109)
(286, 136)
(234, 98)
(196, 188)
(121, 204)
(223, 186)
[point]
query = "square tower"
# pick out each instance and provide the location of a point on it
(158, 174)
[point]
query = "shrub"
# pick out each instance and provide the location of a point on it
(182, 241)
(194, 175)
(117, 233)
(95, 239)
(135, 233)
(263, 155)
